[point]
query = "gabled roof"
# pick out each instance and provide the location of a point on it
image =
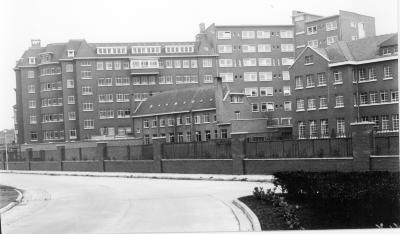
(177, 101)
(321, 52)
(390, 42)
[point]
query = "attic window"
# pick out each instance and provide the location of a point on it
(175, 103)
(192, 101)
(32, 60)
(70, 53)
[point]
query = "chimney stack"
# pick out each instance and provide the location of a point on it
(219, 95)
(202, 28)
(35, 43)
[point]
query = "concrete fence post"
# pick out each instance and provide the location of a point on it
(238, 147)
(61, 155)
(361, 133)
(101, 155)
(29, 154)
(157, 153)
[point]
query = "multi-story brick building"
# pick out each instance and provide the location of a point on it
(319, 32)
(77, 90)
(346, 82)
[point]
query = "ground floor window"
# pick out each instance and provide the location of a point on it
(301, 130)
(224, 134)
(340, 128)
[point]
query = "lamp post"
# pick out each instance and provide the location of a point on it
(5, 144)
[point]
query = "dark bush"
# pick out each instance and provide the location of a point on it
(373, 197)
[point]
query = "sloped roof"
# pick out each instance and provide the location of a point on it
(358, 50)
(180, 100)
(390, 42)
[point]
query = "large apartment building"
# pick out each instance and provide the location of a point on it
(344, 83)
(77, 90)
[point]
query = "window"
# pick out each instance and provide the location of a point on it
(188, 120)
(109, 65)
(254, 107)
(237, 114)
(225, 62)
(385, 122)
(224, 49)
(384, 96)
(206, 118)
(236, 99)
(122, 97)
(104, 82)
(287, 61)
(193, 63)
(266, 91)
(301, 130)
(321, 79)
(71, 116)
(99, 66)
(87, 90)
(146, 124)
(251, 92)
(264, 62)
(353, 38)
(308, 59)
(224, 133)
(121, 114)
(32, 119)
(287, 47)
(207, 62)
(88, 124)
(188, 136)
(264, 48)
(337, 75)
(31, 74)
(168, 64)
(249, 62)
(154, 123)
(226, 77)
(177, 63)
(32, 60)
(299, 82)
(208, 79)
(32, 104)
(313, 129)
(86, 74)
(285, 75)
(340, 127)
(395, 121)
(313, 43)
(267, 106)
(69, 67)
(287, 106)
(331, 40)
(248, 34)
(265, 76)
(250, 76)
(122, 81)
(371, 73)
(362, 75)
(373, 97)
(106, 98)
(85, 63)
(70, 53)
(311, 104)
(286, 90)
(87, 106)
(300, 105)
(197, 119)
(339, 102)
(162, 122)
(331, 26)
(249, 48)
(117, 65)
(198, 135)
(70, 83)
(286, 33)
(363, 98)
(387, 72)
(34, 136)
(394, 96)
(311, 30)
(223, 35)
(324, 128)
(165, 80)
(72, 133)
(31, 88)
(185, 63)
(310, 81)
(263, 34)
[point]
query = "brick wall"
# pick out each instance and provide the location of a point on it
(81, 166)
(45, 166)
(198, 166)
(144, 166)
(385, 163)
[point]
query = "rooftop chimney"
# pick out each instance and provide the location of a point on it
(202, 28)
(35, 42)
(219, 95)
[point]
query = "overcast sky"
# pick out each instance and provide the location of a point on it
(148, 20)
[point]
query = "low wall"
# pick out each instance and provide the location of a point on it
(198, 166)
(145, 166)
(385, 163)
(81, 165)
(270, 166)
(18, 166)
(46, 166)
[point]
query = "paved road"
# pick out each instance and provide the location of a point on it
(73, 204)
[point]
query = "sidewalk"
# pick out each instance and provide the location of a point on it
(210, 177)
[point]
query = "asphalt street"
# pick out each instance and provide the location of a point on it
(75, 204)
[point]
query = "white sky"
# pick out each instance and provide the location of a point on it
(148, 20)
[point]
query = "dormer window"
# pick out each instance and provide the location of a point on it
(236, 99)
(32, 60)
(45, 58)
(70, 53)
(386, 51)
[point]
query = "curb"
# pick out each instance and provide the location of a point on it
(12, 204)
(209, 177)
(255, 223)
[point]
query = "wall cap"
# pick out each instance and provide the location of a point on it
(362, 123)
(239, 133)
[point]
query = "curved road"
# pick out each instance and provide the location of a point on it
(73, 204)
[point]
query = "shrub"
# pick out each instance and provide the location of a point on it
(375, 195)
